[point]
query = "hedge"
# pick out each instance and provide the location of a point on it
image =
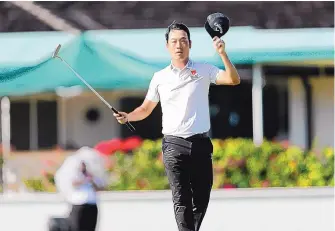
(237, 163)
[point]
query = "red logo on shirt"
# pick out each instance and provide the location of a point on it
(193, 72)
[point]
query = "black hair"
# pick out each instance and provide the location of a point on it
(177, 26)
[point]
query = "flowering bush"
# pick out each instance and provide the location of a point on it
(238, 163)
(135, 164)
(1, 163)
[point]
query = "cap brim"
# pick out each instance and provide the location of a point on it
(214, 33)
(209, 30)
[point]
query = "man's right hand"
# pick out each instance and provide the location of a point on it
(121, 117)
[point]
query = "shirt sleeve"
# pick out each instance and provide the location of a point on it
(212, 72)
(99, 182)
(152, 93)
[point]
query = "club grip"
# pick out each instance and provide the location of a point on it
(129, 125)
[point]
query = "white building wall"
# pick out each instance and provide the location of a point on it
(74, 127)
(323, 112)
(297, 113)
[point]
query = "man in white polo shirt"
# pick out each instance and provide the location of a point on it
(182, 89)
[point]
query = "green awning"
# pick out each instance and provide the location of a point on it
(127, 59)
(102, 67)
(20, 49)
(244, 45)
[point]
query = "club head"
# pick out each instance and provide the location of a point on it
(54, 55)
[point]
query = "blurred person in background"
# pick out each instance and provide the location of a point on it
(182, 88)
(84, 213)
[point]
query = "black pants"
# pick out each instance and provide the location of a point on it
(188, 165)
(83, 217)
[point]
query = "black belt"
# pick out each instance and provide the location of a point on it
(198, 136)
(186, 142)
(193, 137)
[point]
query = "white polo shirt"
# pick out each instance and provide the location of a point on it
(184, 97)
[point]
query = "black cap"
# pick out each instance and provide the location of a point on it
(217, 24)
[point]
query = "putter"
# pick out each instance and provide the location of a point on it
(55, 55)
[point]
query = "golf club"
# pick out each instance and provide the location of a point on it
(55, 55)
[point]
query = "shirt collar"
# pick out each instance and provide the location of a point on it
(188, 65)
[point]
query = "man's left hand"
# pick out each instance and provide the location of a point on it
(219, 45)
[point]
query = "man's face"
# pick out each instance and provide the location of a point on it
(178, 45)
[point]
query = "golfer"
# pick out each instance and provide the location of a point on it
(182, 89)
(84, 213)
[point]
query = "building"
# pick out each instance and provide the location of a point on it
(294, 67)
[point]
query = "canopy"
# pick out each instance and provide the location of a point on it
(105, 70)
(127, 59)
(244, 45)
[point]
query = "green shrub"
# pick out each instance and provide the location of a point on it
(1, 163)
(236, 162)
(35, 184)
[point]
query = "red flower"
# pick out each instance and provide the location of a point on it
(160, 157)
(44, 173)
(108, 147)
(142, 183)
(272, 157)
(228, 186)
(102, 147)
(285, 144)
(131, 143)
(114, 145)
(111, 146)
(265, 184)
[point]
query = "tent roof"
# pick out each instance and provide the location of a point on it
(245, 45)
(127, 59)
(101, 67)
(29, 48)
